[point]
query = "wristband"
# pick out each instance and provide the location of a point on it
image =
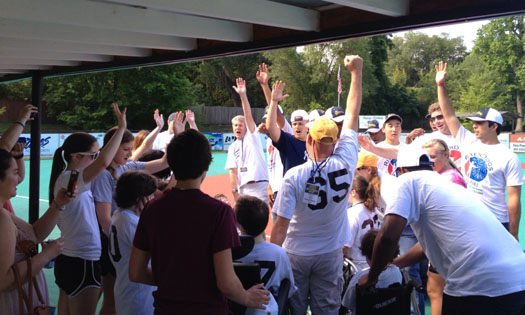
(59, 208)
(18, 157)
(441, 84)
(21, 124)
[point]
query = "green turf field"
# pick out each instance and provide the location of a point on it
(20, 204)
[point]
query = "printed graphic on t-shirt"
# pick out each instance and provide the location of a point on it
(391, 167)
(455, 154)
(371, 222)
(333, 185)
(476, 169)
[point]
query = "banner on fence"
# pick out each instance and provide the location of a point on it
(215, 139)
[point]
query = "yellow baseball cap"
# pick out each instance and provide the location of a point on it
(324, 130)
(366, 159)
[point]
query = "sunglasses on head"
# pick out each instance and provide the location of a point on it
(438, 117)
(93, 155)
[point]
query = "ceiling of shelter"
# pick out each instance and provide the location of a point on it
(74, 36)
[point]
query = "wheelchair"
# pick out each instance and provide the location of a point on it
(250, 274)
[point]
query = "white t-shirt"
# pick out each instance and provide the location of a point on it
(162, 140)
(453, 145)
(488, 170)
(470, 249)
(275, 165)
(78, 222)
(130, 297)
(384, 165)
(361, 220)
(270, 252)
(387, 277)
(321, 227)
(246, 155)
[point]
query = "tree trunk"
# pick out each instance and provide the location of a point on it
(519, 107)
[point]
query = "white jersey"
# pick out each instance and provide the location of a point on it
(470, 249)
(318, 222)
(384, 165)
(275, 165)
(78, 222)
(453, 144)
(162, 140)
(130, 297)
(488, 170)
(246, 155)
(361, 220)
(275, 256)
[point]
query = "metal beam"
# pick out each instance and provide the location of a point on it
(49, 55)
(4, 61)
(86, 35)
(385, 7)
(250, 11)
(37, 88)
(72, 47)
(124, 18)
(24, 67)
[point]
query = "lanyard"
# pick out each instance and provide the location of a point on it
(317, 168)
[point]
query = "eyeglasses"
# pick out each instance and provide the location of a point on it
(93, 155)
(361, 168)
(438, 117)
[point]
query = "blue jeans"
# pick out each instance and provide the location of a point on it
(416, 271)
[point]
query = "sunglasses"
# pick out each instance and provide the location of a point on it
(361, 168)
(438, 117)
(93, 155)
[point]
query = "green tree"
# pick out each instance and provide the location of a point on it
(416, 53)
(501, 45)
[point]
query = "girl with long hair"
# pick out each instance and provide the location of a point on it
(77, 270)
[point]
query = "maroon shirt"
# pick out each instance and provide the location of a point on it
(182, 230)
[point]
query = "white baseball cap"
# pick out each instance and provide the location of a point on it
(335, 113)
(487, 114)
(299, 115)
(409, 157)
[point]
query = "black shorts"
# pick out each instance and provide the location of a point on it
(73, 274)
(432, 269)
(105, 261)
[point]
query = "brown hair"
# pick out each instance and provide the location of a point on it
(433, 108)
(139, 138)
(366, 192)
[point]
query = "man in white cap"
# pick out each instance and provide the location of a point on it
(292, 148)
(245, 161)
(312, 225)
(487, 165)
(480, 261)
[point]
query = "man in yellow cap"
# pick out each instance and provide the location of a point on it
(311, 223)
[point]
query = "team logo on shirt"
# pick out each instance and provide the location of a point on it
(455, 154)
(477, 167)
(392, 168)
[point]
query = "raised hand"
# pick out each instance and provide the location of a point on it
(365, 143)
(25, 113)
(263, 74)
(241, 86)
(277, 91)
(159, 119)
(121, 116)
(178, 123)
(18, 149)
(441, 73)
(262, 128)
(190, 116)
(353, 63)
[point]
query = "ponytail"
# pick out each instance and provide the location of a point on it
(57, 167)
(366, 192)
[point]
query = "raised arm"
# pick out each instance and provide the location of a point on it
(444, 101)
(147, 144)
(263, 76)
(354, 64)
(10, 136)
(18, 153)
(271, 120)
(110, 149)
(387, 153)
(240, 88)
(190, 118)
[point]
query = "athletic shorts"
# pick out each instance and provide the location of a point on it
(105, 262)
(431, 268)
(73, 274)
